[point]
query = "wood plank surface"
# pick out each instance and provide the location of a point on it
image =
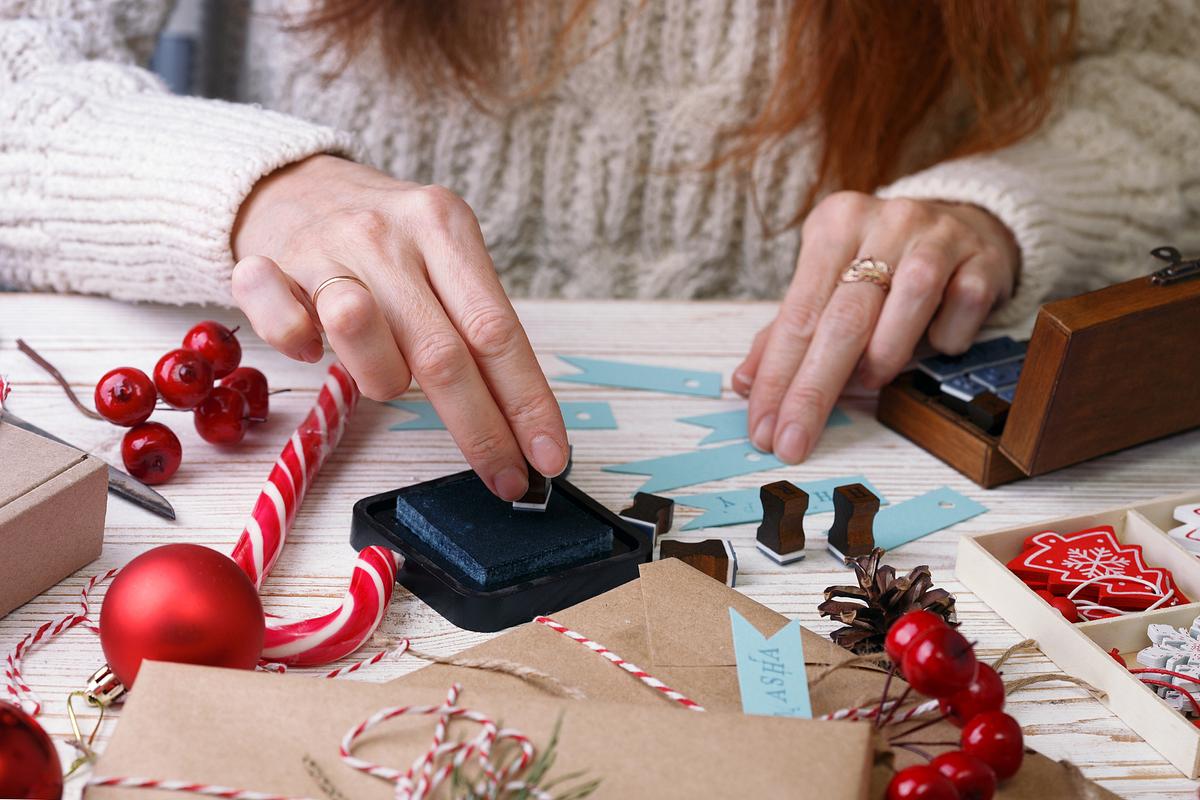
(215, 488)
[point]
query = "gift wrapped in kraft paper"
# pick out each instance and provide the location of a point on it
(258, 731)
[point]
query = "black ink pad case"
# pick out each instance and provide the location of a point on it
(440, 582)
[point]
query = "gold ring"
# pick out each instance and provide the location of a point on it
(869, 270)
(333, 280)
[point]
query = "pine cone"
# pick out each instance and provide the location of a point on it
(868, 610)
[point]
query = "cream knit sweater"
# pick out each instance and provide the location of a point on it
(110, 185)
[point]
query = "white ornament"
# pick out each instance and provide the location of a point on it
(1178, 650)
(1187, 534)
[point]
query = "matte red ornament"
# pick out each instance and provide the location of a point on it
(921, 782)
(995, 738)
(939, 662)
(972, 778)
(29, 765)
(1059, 563)
(907, 628)
(985, 692)
(181, 603)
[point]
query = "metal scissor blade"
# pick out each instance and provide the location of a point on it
(119, 483)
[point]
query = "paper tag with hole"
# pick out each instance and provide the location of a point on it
(577, 415)
(901, 523)
(699, 466)
(642, 376)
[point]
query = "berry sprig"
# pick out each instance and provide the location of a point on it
(204, 377)
(938, 662)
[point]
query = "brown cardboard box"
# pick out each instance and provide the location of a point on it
(52, 504)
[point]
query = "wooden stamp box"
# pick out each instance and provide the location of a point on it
(1083, 649)
(1104, 371)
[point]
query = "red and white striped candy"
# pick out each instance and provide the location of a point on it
(342, 631)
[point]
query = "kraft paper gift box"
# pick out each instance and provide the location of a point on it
(52, 504)
(673, 622)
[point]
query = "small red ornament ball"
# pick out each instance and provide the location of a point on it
(905, 629)
(921, 782)
(151, 452)
(217, 344)
(223, 417)
(253, 386)
(985, 692)
(29, 765)
(972, 779)
(181, 603)
(125, 396)
(939, 662)
(183, 378)
(995, 739)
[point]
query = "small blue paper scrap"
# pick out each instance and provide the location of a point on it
(728, 426)
(922, 515)
(744, 505)
(698, 466)
(643, 376)
(771, 673)
(576, 415)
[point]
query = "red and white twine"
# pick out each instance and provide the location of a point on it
(444, 758)
(632, 669)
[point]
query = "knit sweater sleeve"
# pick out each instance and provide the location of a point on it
(1115, 170)
(108, 183)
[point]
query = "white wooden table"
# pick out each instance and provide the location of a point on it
(215, 489)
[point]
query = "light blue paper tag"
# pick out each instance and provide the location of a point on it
(642, 376)
(728, 426)
(698, 466)
(922, 515)
(576, 415)
(745, 505)
(771, 672)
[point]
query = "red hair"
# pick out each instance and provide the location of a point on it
(867, 73)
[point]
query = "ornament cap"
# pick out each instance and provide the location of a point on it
(103, 687)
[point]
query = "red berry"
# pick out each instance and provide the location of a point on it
(985, 692)
(253, 386)
(1066, 607)
(972, 778)
(995, 739)
(939, 662)
(223, 417)
(183, 377)
(905, 629)
(921, 782)
(216, 343)
(125, 396)
(151, 452)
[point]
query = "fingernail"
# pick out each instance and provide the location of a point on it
(792, 443)
(511, 483)
(764, 433)
(741, 382)
(548, 457)
(313, 351)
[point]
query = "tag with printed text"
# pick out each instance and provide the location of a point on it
(771, 672)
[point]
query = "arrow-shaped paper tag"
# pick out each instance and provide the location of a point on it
(728, 426)
(744, 505)
(771, 673)
(643, 376)
(698, 466)
(577, 415)
(922, 515)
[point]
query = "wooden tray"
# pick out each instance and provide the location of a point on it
(1082, 649)
(1105, 370)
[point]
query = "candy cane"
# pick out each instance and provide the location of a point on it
(342, 631)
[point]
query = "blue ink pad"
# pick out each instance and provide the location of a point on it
(486, 543)
(485, 566)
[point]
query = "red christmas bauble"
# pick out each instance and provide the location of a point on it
(182, 603)
(29, 765)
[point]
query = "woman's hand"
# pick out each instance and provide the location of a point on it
(952, 264)
(433, 308)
